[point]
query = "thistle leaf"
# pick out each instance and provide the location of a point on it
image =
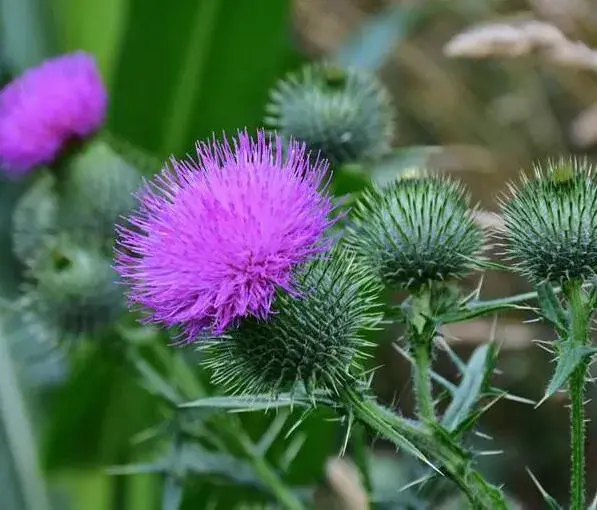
(263, 402)
(570, 356)
(477, 372)
(551, 308)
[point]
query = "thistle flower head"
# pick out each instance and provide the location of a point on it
(415, 231)
(213, 240)
(345, 114)
(551, 222)
(315, 338)
(44, 108)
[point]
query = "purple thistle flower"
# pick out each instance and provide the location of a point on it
(40, 111)
(213, 240)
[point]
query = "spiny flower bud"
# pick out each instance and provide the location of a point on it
(78, 292)
(416, 231)
(551, 222)
(315, 338)
(344, 113)
(34, 221)
(96, 188)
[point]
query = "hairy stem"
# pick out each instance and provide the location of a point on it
(577, 438)
(421, 334)
(578, 334)
(448, 458)
(422, 381)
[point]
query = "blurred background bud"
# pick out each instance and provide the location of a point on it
(344, 113)
(96, 187)
(75, 290)
(34, 221)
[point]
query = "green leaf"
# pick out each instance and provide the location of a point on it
(155, 383)
(22, 485)
(475, 376)
(570, 356)
(244, 403)
(23, 35)
(172, 89)
(370, 46)
(551, 307)
(472, 311)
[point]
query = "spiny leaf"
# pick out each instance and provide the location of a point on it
(551, 308)
(570, 356)
(549, 500)
(478, 370)
(469, 312)
(244, 403)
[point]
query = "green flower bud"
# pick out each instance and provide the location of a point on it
(34, 220)
(345, 114)
(314, 337)
(551, 222)
(415, 231)
(78, 292)
(95, 190)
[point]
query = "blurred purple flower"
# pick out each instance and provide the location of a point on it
(214, 239)
(41, 110)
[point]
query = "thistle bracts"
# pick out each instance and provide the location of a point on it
(416, 231)
(316, 337)
(551, 222)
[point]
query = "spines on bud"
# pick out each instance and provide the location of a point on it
(344, 113)
(315, 337)
(416, 231)
(551, 222)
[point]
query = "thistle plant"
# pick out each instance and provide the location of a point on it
(345, 114)
(551, 235)
(246, 291)
(233, 252)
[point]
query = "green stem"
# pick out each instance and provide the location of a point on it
(422, 331)
(422, 381)
(270, 478)
(578, 335)
(577, 438)
(450, 458)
